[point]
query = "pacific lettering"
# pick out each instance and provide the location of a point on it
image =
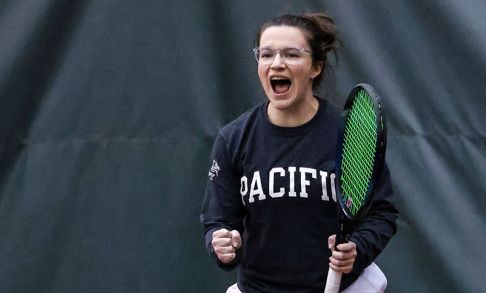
(271, 183)
(324, 185)
(303, 181)
(256, 188)
(243, 188)
(333, 186)
(292, 192)
(282, 182)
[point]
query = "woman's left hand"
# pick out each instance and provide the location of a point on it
(342, 260)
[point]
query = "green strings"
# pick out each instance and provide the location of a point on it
(358, 152)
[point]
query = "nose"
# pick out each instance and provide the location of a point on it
(277, 61)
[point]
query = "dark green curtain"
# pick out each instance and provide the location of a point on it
(109, 109)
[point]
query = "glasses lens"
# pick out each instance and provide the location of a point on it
(266, 55)
(291, 55)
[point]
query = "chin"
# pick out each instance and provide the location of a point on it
(282, 102)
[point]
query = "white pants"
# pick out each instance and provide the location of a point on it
(371, 281)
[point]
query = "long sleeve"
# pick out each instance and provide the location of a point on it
(372, 234)
(222, 206)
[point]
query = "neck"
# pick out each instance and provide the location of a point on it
(295, 116)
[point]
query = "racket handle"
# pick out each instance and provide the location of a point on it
(333, 281)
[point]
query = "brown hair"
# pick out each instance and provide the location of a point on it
(320, 31)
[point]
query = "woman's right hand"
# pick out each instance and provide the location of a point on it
(225, 244)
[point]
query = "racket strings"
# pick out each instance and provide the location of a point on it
(359, 149)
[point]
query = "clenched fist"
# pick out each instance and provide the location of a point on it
(225, 244)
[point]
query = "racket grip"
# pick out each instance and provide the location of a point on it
(333, 281)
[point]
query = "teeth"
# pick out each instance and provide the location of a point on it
(278, 78)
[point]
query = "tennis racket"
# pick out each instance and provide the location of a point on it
(360, 158)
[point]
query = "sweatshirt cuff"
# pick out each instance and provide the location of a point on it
(362, 259)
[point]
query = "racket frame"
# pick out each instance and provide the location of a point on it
(345, 218)
(380, 148)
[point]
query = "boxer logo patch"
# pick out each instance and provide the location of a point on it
(214, 171)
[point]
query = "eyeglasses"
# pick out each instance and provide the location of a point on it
(290, 56)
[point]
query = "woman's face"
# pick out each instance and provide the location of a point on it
(287, 80)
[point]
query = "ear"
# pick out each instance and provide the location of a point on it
(318, 67)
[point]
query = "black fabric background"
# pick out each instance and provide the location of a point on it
(109, 109)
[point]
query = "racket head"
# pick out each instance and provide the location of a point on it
(360, 150)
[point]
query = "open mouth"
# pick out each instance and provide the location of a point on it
(280, 85)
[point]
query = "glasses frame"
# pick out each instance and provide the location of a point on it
(256, 53)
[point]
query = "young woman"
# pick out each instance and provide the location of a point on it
(270, 206)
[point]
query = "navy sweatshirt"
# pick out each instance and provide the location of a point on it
(276, 186)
